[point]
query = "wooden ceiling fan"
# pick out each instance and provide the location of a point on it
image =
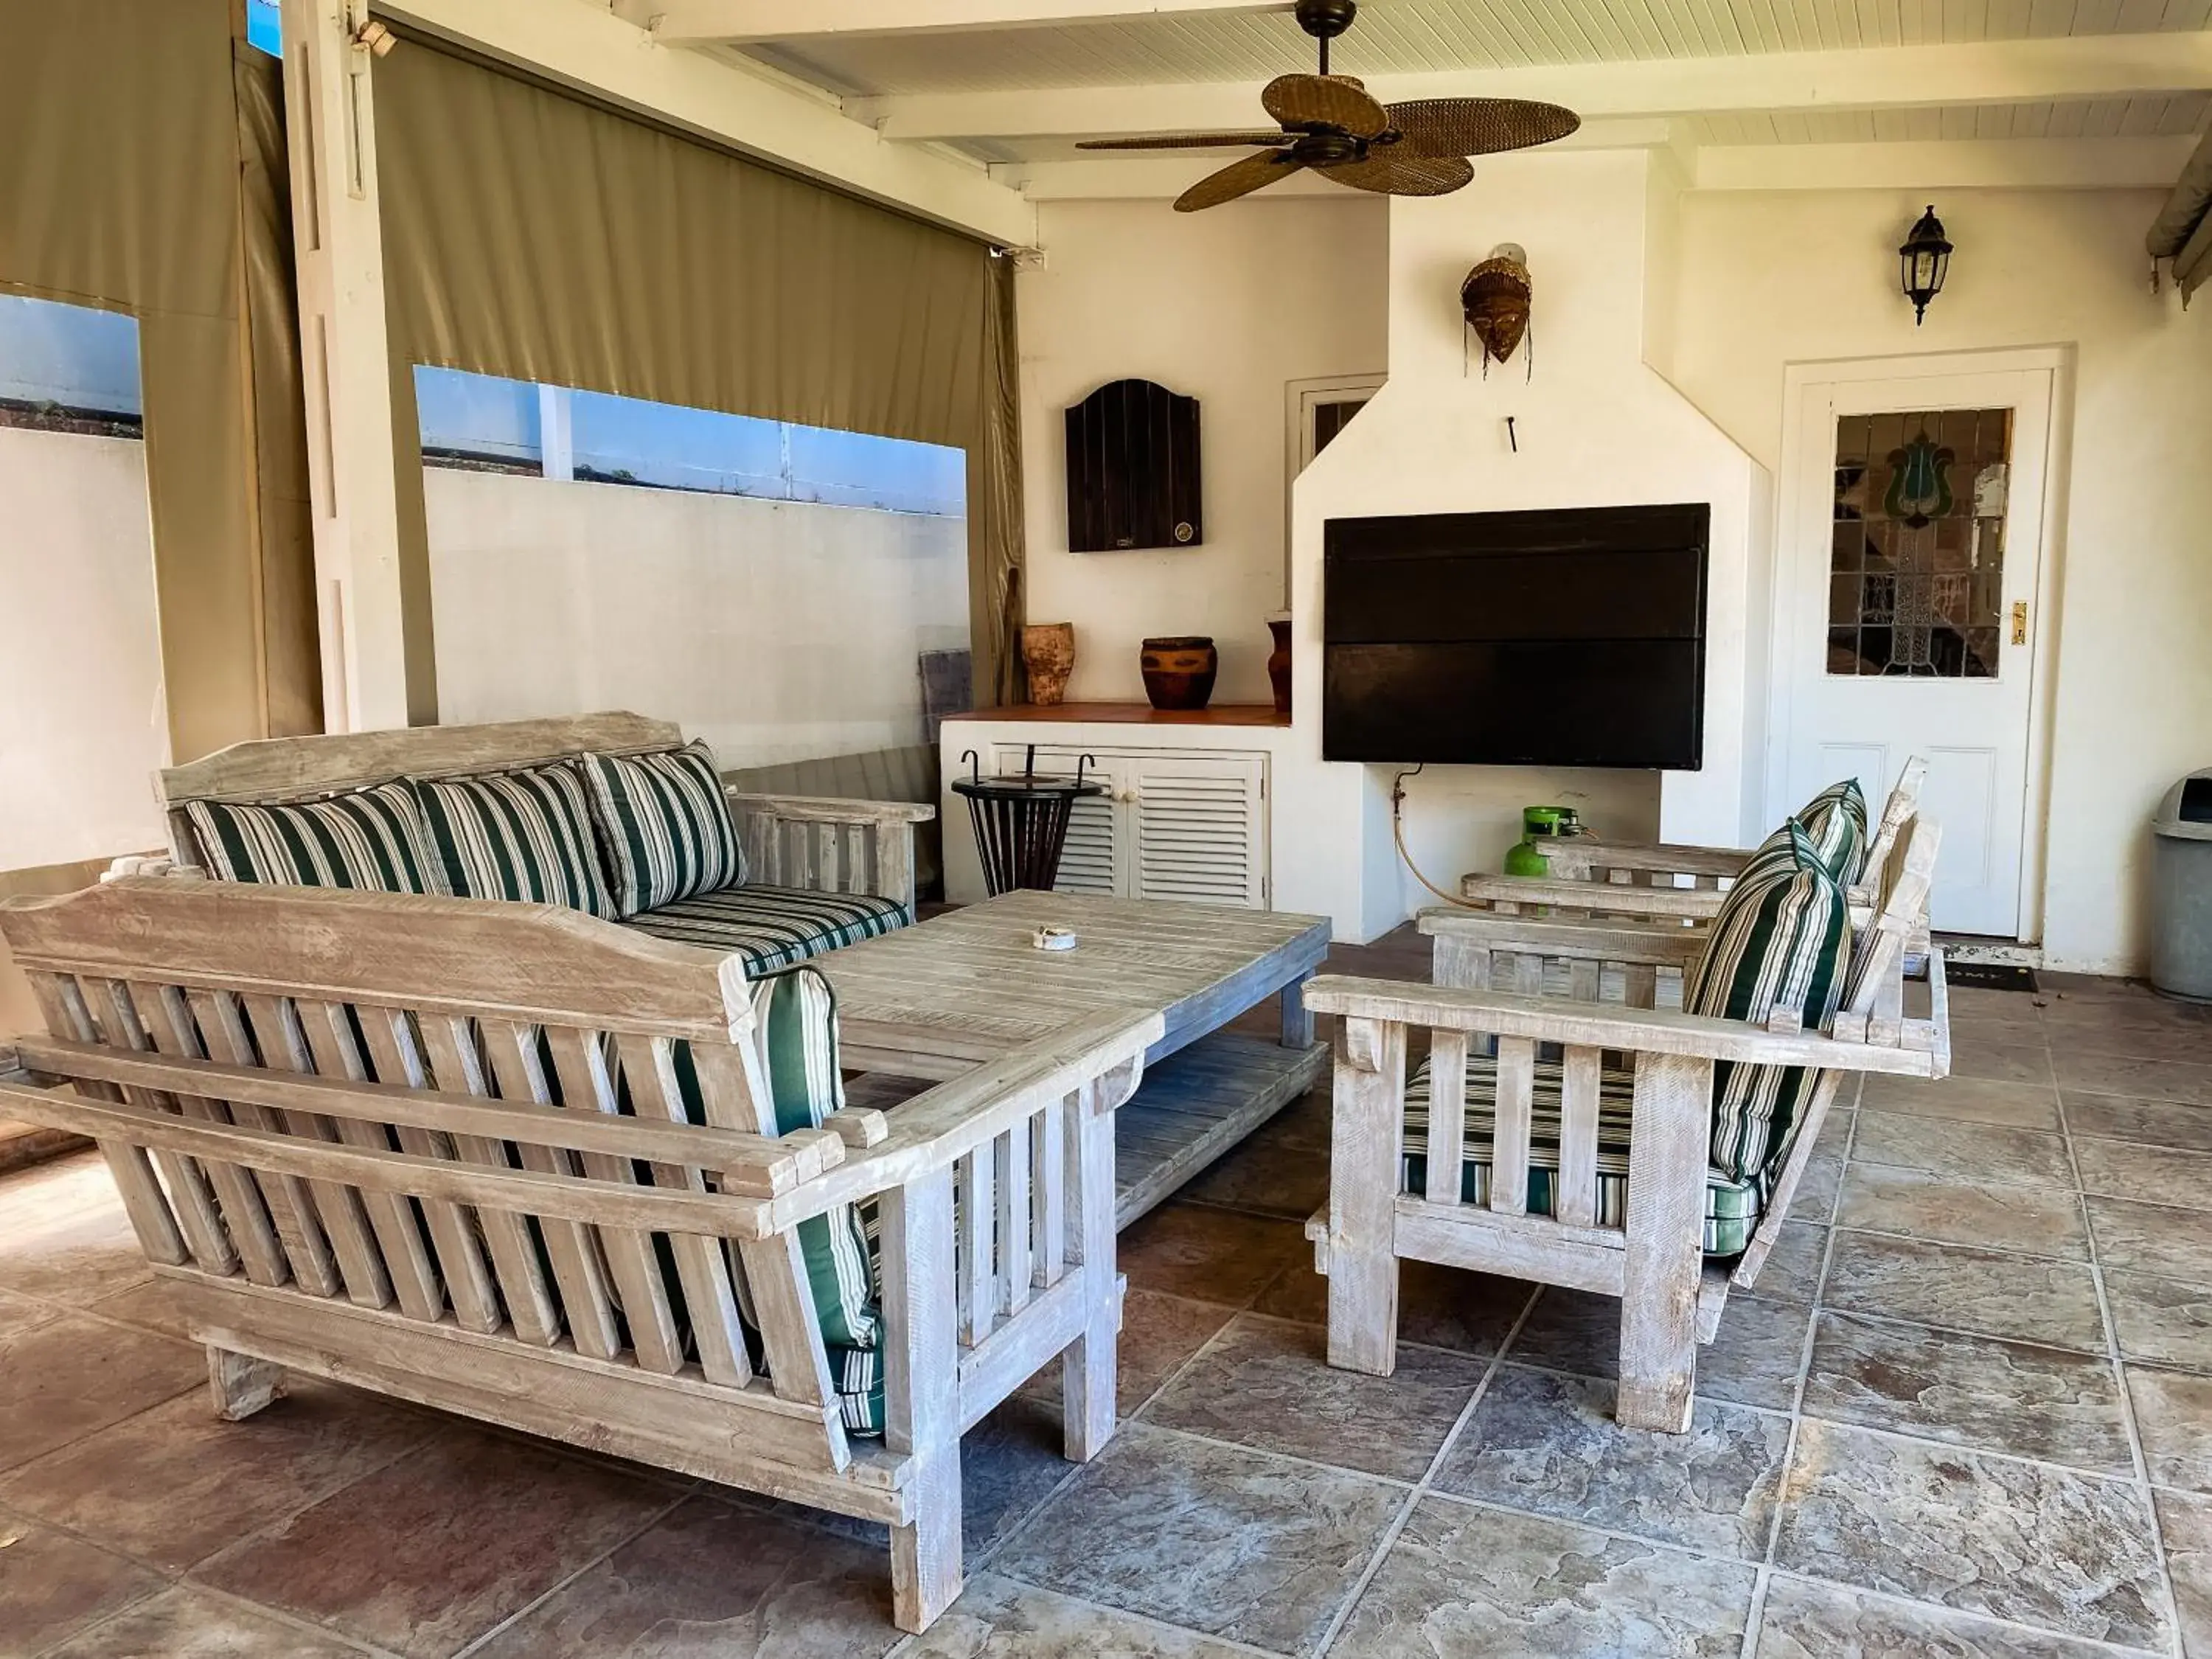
(1329, 123)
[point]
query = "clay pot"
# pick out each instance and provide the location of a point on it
(1278, 661)
(1179, 671)
(1048, 653)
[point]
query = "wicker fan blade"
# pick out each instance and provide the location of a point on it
(1388, 173)
(1237, 179)
(1192, 141)
(1476, 126)
(1324, 101)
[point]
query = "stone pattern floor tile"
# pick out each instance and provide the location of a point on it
(1982, 1291)
(53, 1585)
(1461, 1581)
(192, 1624)
(1214, 1538)
(1961, 1487)
(1266, 1382)
(1804, 1620)
(2044, 1403)
(2065, 1552)
(436, 1549)
(1549, 1445)
(2031, 1221)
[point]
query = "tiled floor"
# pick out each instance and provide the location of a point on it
(1969, 1412)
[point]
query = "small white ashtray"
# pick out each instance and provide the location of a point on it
(1054, 938)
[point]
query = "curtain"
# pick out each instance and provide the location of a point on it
(530, 235)
(134, 139)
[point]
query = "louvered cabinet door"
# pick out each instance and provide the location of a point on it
(1198, 829)
(1090, 860)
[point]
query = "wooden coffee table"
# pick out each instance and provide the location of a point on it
(934, 1001)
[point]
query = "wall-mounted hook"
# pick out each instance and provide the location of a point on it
(1512, 436)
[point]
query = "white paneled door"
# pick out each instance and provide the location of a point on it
(1907, 611)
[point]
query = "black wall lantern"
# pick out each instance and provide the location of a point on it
(1924, 261)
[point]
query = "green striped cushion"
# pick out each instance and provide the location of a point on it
(1782, 937)
(772, 928)
(1732, 1205)
(1836, 820)
(666, 825)
(523, 835)
(372, 838)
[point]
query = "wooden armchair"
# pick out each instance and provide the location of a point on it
(1646, 1249)
(1659, 881)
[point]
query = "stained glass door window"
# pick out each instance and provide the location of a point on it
(1916, 572)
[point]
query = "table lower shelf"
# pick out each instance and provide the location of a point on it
(1192, 1108)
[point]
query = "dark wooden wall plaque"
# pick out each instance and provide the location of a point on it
(1133, 470)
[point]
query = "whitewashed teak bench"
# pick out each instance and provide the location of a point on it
(1656, 1064)
(825, 845)
(437, 1148)
(1660, 881)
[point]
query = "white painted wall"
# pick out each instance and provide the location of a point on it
(1769, 279)
(776, 630)
(82, 727)
(1226, 306)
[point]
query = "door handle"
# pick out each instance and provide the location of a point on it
(2020, 622)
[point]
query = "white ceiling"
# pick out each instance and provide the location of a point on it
(1416, 36)
(2105, 118)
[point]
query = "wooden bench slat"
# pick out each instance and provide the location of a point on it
(191, 1199)
(701, 1267)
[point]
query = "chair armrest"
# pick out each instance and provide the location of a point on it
(1600, 1025)
(884, 828)
(1685, 904)
(829, 809)
(1661, 944)
(941, 1125)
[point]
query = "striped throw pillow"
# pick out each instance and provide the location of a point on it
(1781, 938)
(1835, 819)
(372, 838)
(666, 824)
(523, 835)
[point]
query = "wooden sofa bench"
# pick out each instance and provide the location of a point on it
(439, 1148)
(823, 871)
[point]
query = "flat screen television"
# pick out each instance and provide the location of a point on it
(1573, 638)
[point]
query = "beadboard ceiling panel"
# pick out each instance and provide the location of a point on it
(1412, 36)
(2111, 118)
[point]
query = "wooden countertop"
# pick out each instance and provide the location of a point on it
(1131, 714)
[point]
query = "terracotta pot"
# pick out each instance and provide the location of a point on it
(1179, 671)
(1278, 661)
(1048, 653)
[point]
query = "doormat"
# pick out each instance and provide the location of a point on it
(1988, 976)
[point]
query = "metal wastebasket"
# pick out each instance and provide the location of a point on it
(2181, 890)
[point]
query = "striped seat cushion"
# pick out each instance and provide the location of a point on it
(523, 835)
(795, 1016)
(372, 838)
(1732, 1205)
(1781, 938)
(772, 928)
(665, 822)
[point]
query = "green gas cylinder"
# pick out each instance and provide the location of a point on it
(1539, 824)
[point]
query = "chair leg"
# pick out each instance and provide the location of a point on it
(1362, 1197)
(925, 1565)
(1091, 1365)
(241, 1385)
(1666, 1212)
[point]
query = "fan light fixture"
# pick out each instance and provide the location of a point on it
(1923, 261)
(1328, 123)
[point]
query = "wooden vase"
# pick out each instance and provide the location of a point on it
(1048, 653)
(1179, 671)
(1278, 661)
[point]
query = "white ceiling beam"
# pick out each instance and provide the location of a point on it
(1880, 77)
(1953, 164)
(796, 23)
(585, 46)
